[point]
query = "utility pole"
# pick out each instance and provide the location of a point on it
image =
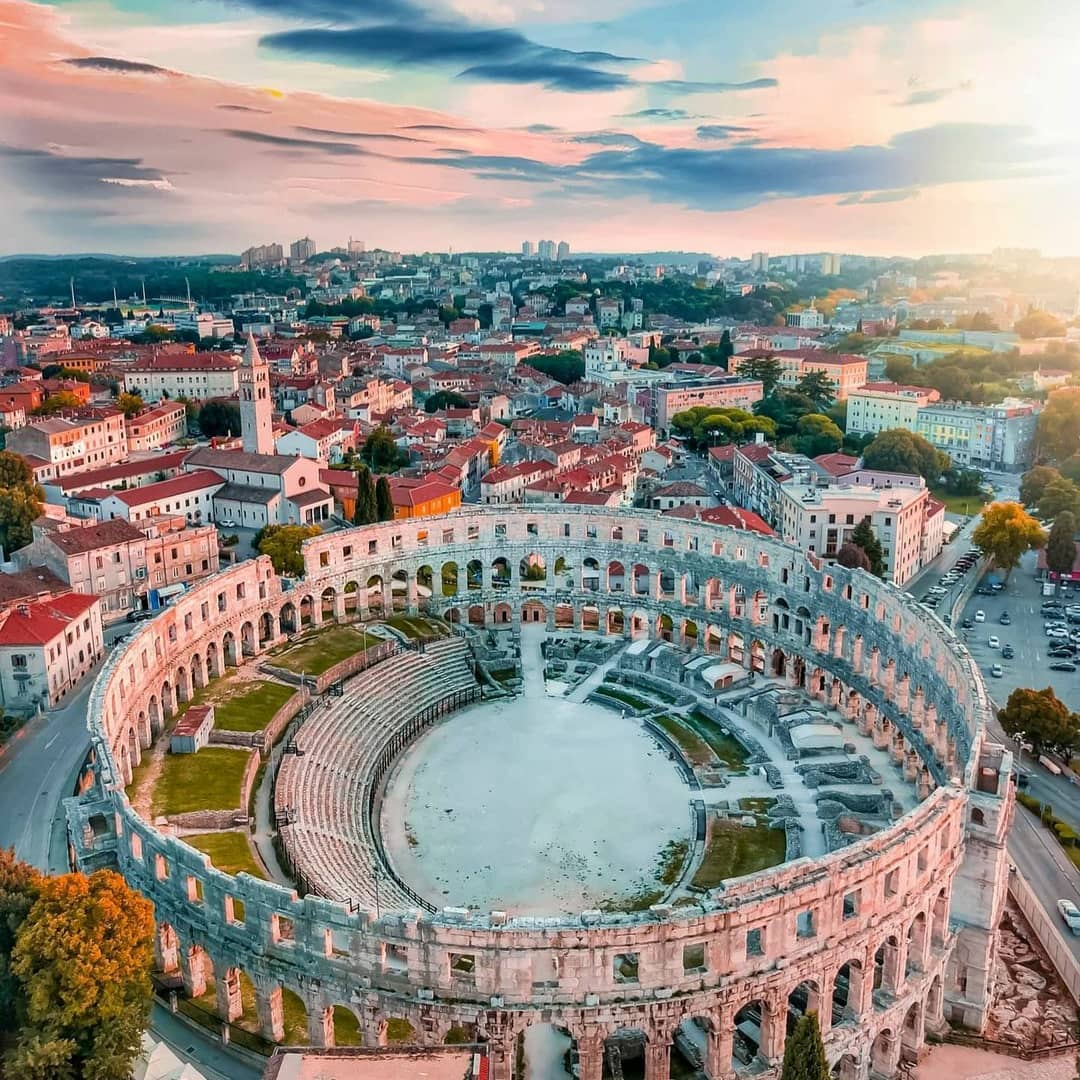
(143, 291)
(71, 282)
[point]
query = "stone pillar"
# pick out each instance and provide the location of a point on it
(719, 1048)
(773, 1029)
(166, 949)
(590, 1048)
(658, 1058)
(412, 595)
(193, 971)
(230, 1004)
(271, 1012)
(387, 595)
(339, 605)
(892, 968)
(320, 1024)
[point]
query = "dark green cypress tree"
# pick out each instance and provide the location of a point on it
(863, 536)
(804, 1052)
(384, 504)
(365, 513)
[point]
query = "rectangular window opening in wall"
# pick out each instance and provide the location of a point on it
(448, 536)
(851, 905)
(324, 558)
(372, 547)
(395, 959)
(805, 924)
(892, 883)
(221, 601)
(194, 890)
(566, 528)
(693, 958)
(625, 968)
(755, 942)
(396, 542)
(234, 911)
(531, 528)
(282, 930)
(643, 536)
(462, 966)
(473, 532)
(422, 538)
(346, 551)
(922, 861)
(136, 847)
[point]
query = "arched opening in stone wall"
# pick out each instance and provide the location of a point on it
(198, 973)
(886, 961)
(247, 639)
(735, 648)
(564, 616)
(546, 1049)
(665, 627)
(449, 578)
(396, 1031)
(287, 619)
(213, 660)
(590, 575)
(883, 1056)
(639, 624)
(307, 610)
(374, 590)
(615, 620)
(757, 657)
(183, 685)
(714, 641)
(690, 634)
(934, 1001)
(477, 616)
(228, 649)
(806, 997)
(847, 1068)
(667, 584)
(154, 708)
(799, 672)
(590, 617)
(916, 943)
(691, 1045)
(641, 580)
(500, 573)
(533, 611)
(847, 988)
(399, 589)
(266, 628)
(502, 614)
(691, 590)
(474, 575)
(452, 615)
(350, 599)
(133, 748)
(167, 949)
(295, 1018)
(911, 1034)
(624, 1052)
(779, 663)
(198, 677)
(746, 1043)
(940, 920)
(532, 570)
(425, 583)
(328, 603)
(346, 1026)
(616, 574)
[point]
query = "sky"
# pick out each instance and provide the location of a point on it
(881, 126)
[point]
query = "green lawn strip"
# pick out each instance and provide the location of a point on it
(320, 651)
(760, 804)
(251, 706)
(208, 780)
(229, 852)
(734, 850)
(399, 1030)
(959, 504)
(692, 745)
(726, 747)
(346, 1027)
(635, 702)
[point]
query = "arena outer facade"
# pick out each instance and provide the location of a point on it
(912, 909)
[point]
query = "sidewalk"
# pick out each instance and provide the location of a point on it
(964, 1063)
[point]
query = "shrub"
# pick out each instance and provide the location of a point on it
(1028, 801)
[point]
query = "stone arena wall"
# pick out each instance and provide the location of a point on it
(907, 915)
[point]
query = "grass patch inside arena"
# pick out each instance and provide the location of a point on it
(209, 780)
(319, 651)
(726, 747)
(249, 706)
(733, 850)
(229, 852)
(695, 748)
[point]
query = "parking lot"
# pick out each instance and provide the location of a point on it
(1026, 633)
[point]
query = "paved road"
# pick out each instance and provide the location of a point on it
(38, 769)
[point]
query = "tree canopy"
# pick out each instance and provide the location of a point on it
(384, 503)
(864, 538)
(445, 399)
(282, 543)
(1037, 324)
(21, 501)
(818, 387)
(1042, 719)
(380, 452)
(708, 425)
(1033, 483)
(1006, 532)
(766, 368)
(1059, 424)
(566, 367)
(853, 556)
(804, 1052)
(1059, 496)
(129, 404)
(366, 512)
(816, 434)
(1061, 543)
(218, 419)
(900, 450)
(54, 403)
(77, 953)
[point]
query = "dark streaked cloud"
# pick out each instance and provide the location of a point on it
(242, 108)
(552, 75)
(376, 136)
(608, 138)
(658, 113)
(116, 65)
(932, 95)
(542, 129)
(443, 127)
(722, 131)
(51, 173)
(289, 143)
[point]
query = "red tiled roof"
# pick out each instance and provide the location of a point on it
(42, 622)
(836, 464)
(167, 489)
(737, 518)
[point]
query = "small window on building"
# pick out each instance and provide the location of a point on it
(643, 536)
(282, 930)
(372, 547)
(892, 883)
(755, 942)
(805, 924)
(500, 529)
(851, 905)
(194, 890)
(324, 558)
(693, 958)
(625, 968)
(462, 966)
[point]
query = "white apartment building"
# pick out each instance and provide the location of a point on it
(882, 406)
(196, 377)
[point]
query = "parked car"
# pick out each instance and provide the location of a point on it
(227, 523)
(1063, 665)
(997, 670)
(1071, 914)
(967, 624)
(140, 615)
(980, 615)
(1004, 618)
(994, 641)
(1007, 652)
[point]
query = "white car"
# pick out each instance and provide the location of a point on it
(228, 523)
(937, 590)
(1071, 914)
(980, 616)
(994, 641)
(1056, 632)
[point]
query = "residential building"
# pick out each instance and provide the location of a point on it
(806, 319)
(59, 445)
(301, 250)
(423, 497)
(679, 391)
(759, 262)
(206, 324)
(681, 493)
(195, 377)
(262, 255)
(320, 440)
(527, 249)
(562, 252)
(28, 586)
(846, 371)
(1000, 437)
(189, 496)
(155, 428)
(880, 406)
(46, 648)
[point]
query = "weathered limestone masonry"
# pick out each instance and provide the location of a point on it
(885, 938)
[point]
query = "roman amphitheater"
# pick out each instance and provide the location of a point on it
(616, 794)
